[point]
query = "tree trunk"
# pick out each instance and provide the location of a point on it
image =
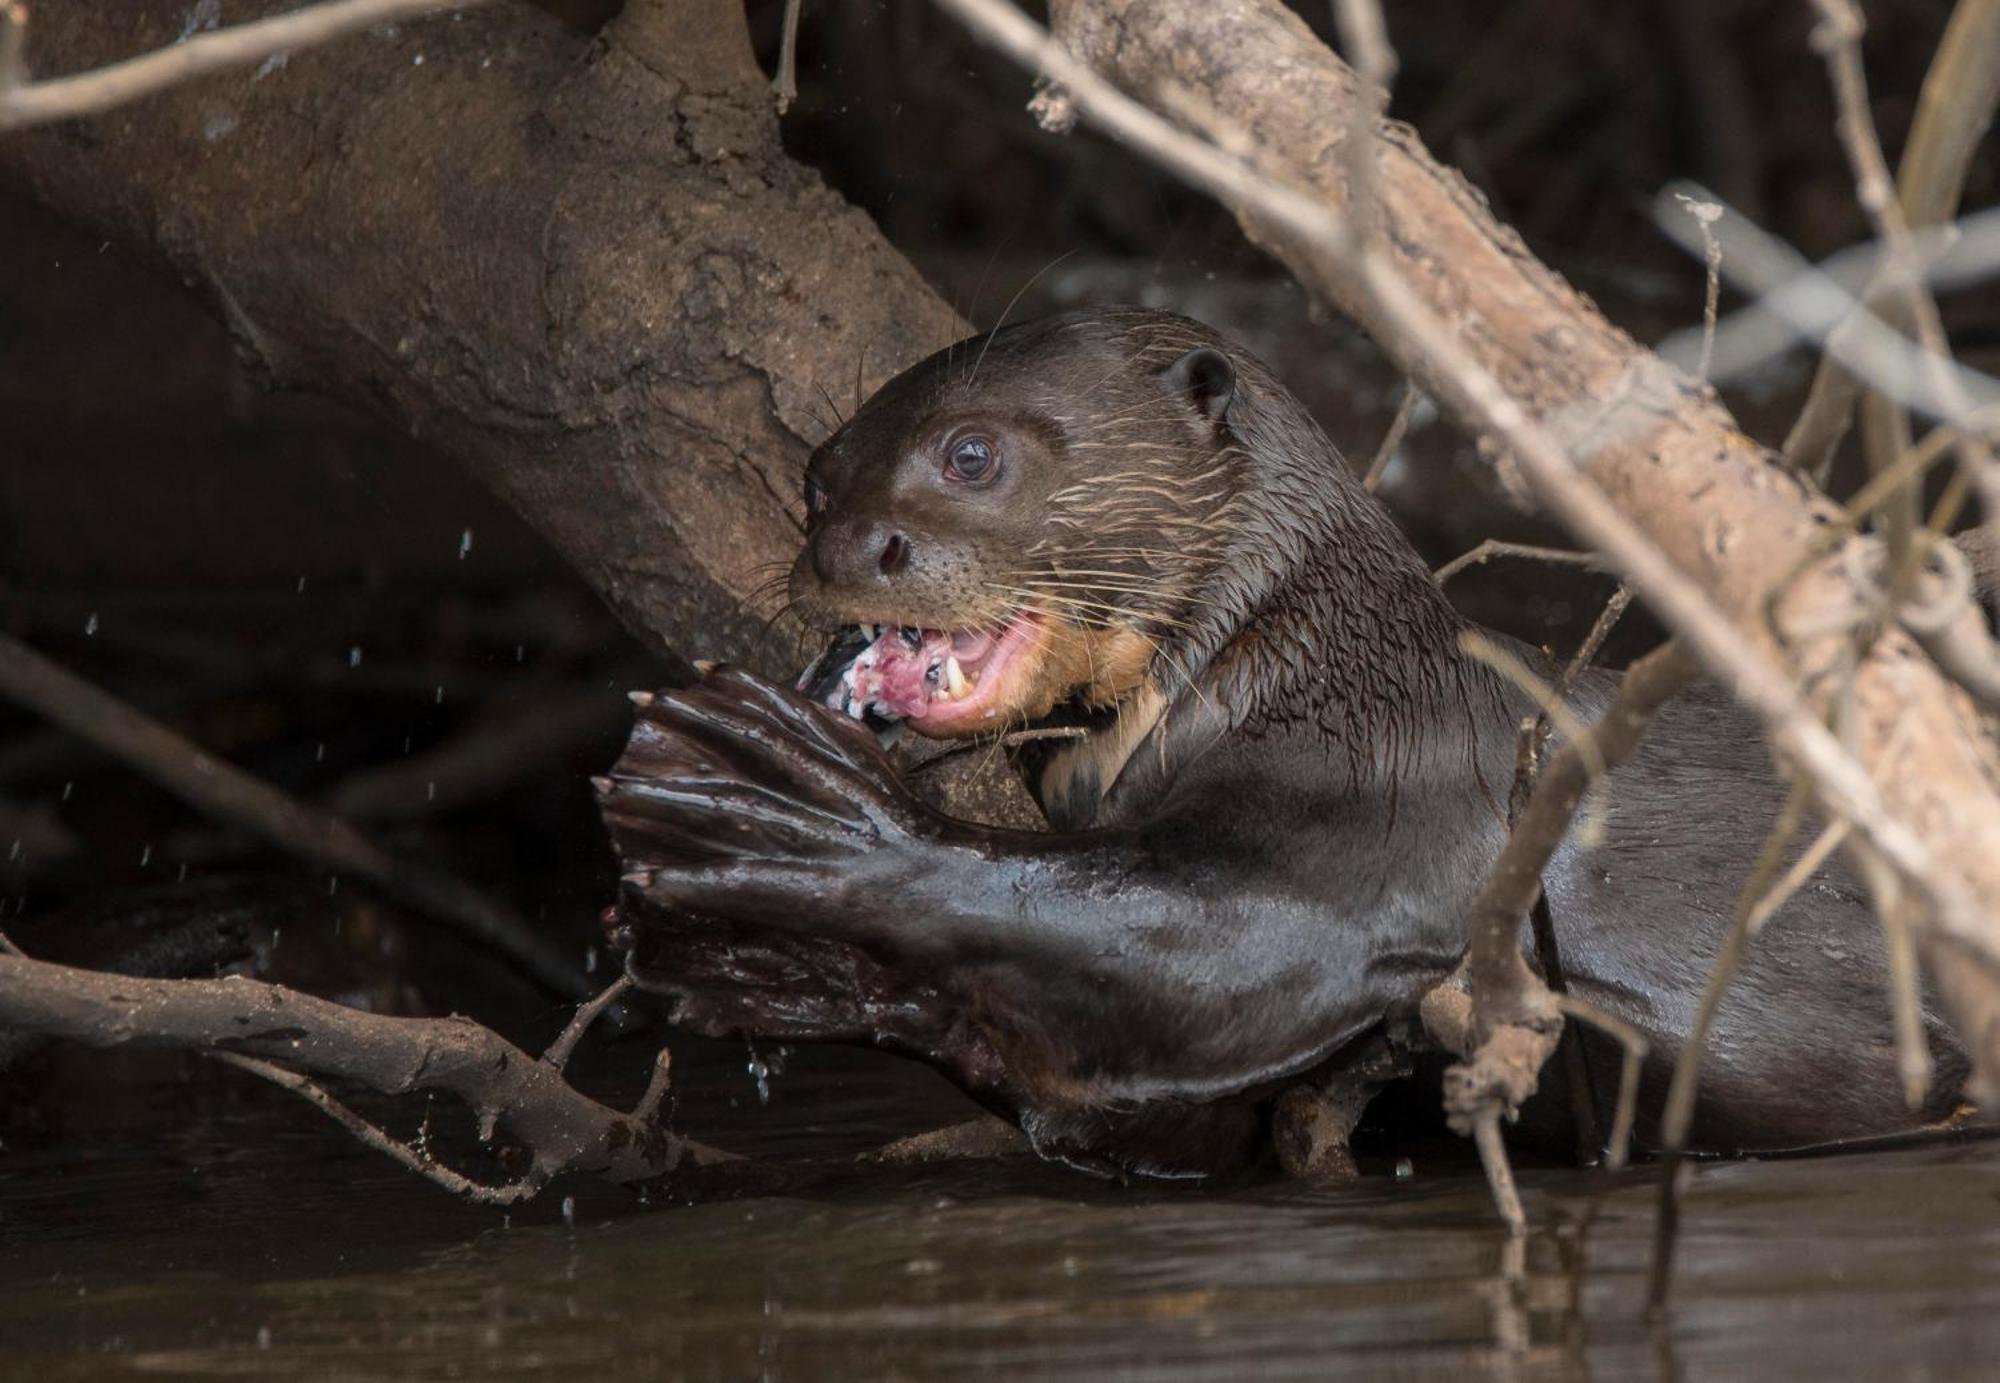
(583, 266)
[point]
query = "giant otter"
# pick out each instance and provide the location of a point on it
(1288, 785)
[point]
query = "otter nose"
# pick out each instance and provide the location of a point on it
(895, 553)
(859, 552)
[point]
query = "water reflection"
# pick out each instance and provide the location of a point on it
(189, 1257)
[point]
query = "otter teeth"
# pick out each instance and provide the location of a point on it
(954, 679)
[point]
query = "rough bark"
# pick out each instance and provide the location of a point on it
(585, 267)
(1250, 73)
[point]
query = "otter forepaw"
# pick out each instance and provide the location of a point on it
(736, 767)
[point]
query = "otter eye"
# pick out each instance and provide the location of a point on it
(815, 501)
(971, 459)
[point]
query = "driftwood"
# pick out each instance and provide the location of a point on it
(267, 1028)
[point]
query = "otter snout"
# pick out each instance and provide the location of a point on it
(873, 571)
(856, 555)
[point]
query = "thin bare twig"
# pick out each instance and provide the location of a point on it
(785, 86)
(13, 30)
(1953, 114)
(89, 93)
(587, 1012)
(456, 1182)
(1499, 1172)
(1756, 904)
(1399, 427)
(225, 791)
(1515, 1020)
(1705, 215)
(1495, 547)
(1633, 1043)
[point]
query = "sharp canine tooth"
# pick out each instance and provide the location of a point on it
(954, 678)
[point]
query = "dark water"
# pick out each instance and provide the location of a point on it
(233, 1234)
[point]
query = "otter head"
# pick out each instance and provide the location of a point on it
(1020, 523)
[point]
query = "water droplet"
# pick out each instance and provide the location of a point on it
(333, 887)
(520, 651)
(759, 1072)
(302, 585)
(438, 700)
(319, 753)
(569, 1211)
(1405, 1169)
(145, 856)
(431, 790)
(90, 625)
(464, 544)
(68, 788)
(354, 656)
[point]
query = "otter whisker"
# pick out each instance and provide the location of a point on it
(972, 375)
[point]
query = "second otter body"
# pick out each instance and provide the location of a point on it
(1287, 788)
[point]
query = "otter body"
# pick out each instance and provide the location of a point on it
(1288, 785)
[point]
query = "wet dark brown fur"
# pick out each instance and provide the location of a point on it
(1265, 846)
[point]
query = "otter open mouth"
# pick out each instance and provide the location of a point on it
(952, 681)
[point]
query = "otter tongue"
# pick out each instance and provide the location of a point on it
(896, 675)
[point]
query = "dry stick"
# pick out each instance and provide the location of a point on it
(87, 93)
(225, 791)
(380, 1139)
(1885, 432)
(1967, 648)
(1528, 764)
(785, 86)
(1705, 215)
(1913, 1057)
(1755, 906)
(1515, 1019)
(1953, 114)
(1495, 547)
(587, 1013)
(561, 1129)
(1804, 297)
(1618, 1149)
(13, 30)
(1399, 426)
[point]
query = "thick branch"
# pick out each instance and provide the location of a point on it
(587, 268)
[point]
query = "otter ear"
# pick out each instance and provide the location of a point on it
(1208, 380)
